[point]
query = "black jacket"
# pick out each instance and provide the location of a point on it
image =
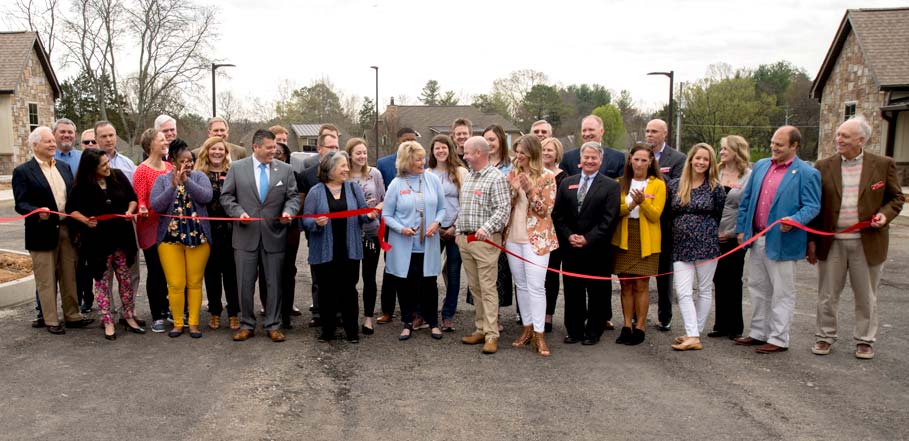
(30, 191)
(596, 220)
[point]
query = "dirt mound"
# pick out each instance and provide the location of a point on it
(14, 266)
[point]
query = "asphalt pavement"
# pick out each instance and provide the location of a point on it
(81, 386)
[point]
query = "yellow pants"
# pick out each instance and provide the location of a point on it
(184, 269)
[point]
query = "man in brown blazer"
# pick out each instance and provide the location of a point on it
(855, 186)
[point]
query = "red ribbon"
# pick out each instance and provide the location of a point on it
(334, 215)
(790, 222)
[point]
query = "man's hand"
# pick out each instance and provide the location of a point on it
(482, 235)
(286, 218)
(785, 228)
(811, 254)
(879, 220)
(244, 219)
(44, 213)
(577, 240)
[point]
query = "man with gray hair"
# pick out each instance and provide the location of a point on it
(65, 135)
(485, 207)
(168, 126)
(585, 214)
(856, 186)
(541, 129)
(42, 183)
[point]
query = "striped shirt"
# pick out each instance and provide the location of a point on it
(852, 171)
(485, 202)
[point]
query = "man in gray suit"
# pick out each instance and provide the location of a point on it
(260, 187)
(671, 163)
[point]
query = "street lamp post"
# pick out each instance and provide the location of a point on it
(671, 75)
(214, 105)
(376, 121)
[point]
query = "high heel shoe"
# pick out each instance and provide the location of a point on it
(637, 337)
(407, 336)
(128, 327)
(624, 336)
(110, 336)
(366, 330)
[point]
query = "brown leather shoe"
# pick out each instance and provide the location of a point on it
(234, 323)
(244, 334)
(864, 351)
(748, 341)
(384, 318)
(769, 348)
(491, 345)
(610, 326)
(539, 344)
(525, 337)
(215, 322)
(474, 339)
(276, 336)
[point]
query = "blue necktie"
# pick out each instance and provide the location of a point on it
(263, 182)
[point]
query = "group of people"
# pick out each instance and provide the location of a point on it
(512, 214)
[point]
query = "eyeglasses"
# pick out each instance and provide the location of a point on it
(88, 142)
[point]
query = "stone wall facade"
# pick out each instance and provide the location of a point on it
(850, 81)
(33, 87)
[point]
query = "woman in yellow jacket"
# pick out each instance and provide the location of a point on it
(637, 239)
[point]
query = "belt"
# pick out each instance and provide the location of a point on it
(467, 233)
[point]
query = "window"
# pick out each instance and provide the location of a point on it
(849, 110)
(32, 116)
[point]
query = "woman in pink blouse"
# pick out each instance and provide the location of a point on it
(155, 147)
(530, 234)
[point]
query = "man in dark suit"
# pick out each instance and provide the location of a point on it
(585, 214)
(258, 186)
(44, 183)
(856, 185)
(671, 163)
(592, 130)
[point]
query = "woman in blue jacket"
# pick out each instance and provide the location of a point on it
(414, 209)
(335, 245)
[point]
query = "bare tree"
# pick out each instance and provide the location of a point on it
(40, 16)
(515, 87)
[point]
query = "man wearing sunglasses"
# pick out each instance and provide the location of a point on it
(65, 136)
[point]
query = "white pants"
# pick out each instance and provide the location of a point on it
(694, 312)
(771, 285)
(530, 282)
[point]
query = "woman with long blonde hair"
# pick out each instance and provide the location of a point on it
(531, 235)
(697, 201)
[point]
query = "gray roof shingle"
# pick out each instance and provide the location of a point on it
(431, 120)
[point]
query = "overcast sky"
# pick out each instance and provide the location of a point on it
(467, 44)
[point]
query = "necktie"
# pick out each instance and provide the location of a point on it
(583, 192)
(263, 182)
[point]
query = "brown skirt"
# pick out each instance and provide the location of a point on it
(630, 261)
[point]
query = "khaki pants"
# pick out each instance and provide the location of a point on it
(481, 263)
(771, 285)
(53, 267)
(847, 256)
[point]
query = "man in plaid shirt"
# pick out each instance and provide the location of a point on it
(485, 207)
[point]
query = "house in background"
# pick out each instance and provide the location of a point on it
(306, 137)
(866, 72)
(429, 121)
(28, 89)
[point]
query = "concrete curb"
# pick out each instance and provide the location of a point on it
(17, 292)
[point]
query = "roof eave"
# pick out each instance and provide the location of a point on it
(817, 87)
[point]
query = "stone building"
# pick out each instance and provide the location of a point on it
(866, 72)
(28, 89)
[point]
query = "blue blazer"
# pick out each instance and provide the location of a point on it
(388, 168)
(798, 197)
(320, 240)
(400, 212)
(613, 165)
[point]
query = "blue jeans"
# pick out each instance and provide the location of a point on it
(453, 273)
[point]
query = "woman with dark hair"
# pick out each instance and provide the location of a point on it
(109, 245)
(552, 156)
(531, 235)
(336, 245)
(155, 147)
(447, 166)
(697, 207)
(282, 152)
(183, 244)
(735, 170)
(369, 179)
(500, 158)
(414, 209)
(637, 238)
(214, 162)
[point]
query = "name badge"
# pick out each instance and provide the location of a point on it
(878, 185)
(477, 193)
(405, 191)
(665, 169)
(573, 187)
